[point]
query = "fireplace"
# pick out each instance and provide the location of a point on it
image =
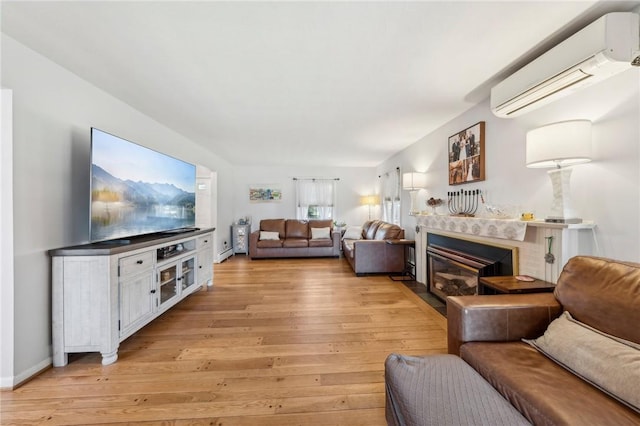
(526, 242)
(455, 265)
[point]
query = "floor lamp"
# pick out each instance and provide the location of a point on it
(370, 200)
(413, 182)
(559, 145)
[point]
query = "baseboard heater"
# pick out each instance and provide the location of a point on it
(224, 255)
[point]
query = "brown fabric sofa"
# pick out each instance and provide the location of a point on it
(589, 372)
(372, 254)
(294, 239)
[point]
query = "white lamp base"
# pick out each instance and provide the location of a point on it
(412, 209)
(561, 209)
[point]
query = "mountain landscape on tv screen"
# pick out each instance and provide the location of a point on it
(124, 207)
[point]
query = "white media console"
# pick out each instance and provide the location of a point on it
(104, 292)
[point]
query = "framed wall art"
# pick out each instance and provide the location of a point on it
(466, 155)
(264, 193)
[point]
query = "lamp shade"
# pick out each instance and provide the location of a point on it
(559, 144)
(370, 200)
(413, 181)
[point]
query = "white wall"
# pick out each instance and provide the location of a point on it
(606, 190)
(53, 111)
(354, 183)
(6, 242)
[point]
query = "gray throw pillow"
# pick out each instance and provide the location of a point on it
(608, 362)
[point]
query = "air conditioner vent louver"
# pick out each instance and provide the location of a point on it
(543, 90)
(606, 47)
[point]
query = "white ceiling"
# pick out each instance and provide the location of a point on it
(304, 83)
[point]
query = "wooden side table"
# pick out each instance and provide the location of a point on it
(409, 266)
(509, 284)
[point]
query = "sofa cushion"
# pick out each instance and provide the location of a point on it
(602, 293)
(325, 242)
(347, 248)
(543, 391)
(296, 229)
(295, 242)
(320, 233)
(274, 225)
(388, 231)
(321, 223)
(609, 363)
(369, 229)
(353, 233)
(269, 244)
(442, 390)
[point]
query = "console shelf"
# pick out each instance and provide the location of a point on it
(104, 292)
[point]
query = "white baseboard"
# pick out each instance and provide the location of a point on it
(225, 254)
(8, 383)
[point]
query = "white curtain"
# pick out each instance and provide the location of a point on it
(390, 196)
(315, 198)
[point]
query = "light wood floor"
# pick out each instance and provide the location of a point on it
(276, 342)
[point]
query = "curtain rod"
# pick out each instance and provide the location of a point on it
(314, 179)
(387, 173)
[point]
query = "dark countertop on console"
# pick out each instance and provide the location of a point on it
(107, 248)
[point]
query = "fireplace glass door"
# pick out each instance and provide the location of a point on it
(454, 273)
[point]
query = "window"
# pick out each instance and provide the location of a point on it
(313, 212)
(315, 198)
(390, 196)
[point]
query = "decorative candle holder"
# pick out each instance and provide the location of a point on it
(463, 203)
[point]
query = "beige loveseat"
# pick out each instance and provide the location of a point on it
(580, 366)
(369, 251)
(294, 238)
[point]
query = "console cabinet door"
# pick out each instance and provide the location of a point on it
(168, 279)
(205, 268)
(137, 300)
(187, 277)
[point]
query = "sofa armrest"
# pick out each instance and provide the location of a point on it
(377, 256)
(336, 237)
(253, 242)
(498, 318)
(368, 249)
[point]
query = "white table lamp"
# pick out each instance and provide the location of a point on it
(413, 182)
(560, 145)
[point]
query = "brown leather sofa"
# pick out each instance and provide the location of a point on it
(372, 254)
(294, 238)
(600, 342)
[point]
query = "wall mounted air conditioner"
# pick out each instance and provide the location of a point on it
(605, 47)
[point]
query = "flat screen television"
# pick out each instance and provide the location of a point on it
(136, 190)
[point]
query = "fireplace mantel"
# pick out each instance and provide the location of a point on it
(532, 238)
(484, 227)
(507, 229)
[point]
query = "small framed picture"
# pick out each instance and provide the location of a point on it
(466, 155)
(265, 193)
